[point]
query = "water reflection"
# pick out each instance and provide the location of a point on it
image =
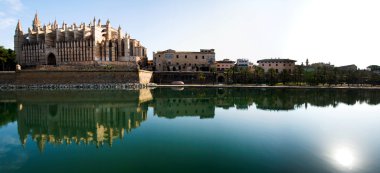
(65, 117)
(194, 102)
(100, 117)
(344, 157)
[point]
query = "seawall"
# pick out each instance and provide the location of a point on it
(74, 79)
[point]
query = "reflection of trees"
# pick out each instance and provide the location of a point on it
(266, 99)
(8, 112)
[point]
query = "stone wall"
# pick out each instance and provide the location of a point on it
(7, 77)
(89, 66)
(145, 77)
(74, 77)
(44, 77)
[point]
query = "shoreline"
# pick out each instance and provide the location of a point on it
(266, 86)
(94, 86)
(136, 86)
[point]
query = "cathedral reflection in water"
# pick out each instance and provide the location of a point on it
(79, 119)
(100, 117)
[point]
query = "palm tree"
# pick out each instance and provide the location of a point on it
(259, 74)
(229, 72)
(271, 76)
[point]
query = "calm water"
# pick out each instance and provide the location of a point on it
(190, 130)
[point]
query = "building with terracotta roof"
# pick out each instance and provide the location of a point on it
(278, 65)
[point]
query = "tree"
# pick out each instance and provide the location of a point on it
(284, 76)
(244, 74)
(258, 75)
(201, 77)
(229, 73)
(298, 74)
(271, 76)
(7, 59)
(213, 71)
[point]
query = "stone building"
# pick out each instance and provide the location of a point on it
(76, 44)
(224, 65)
(321, 65)
(352, 67)
(171, 60)
(278, 65)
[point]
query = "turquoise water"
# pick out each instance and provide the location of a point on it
(190, 130)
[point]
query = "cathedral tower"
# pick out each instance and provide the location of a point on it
(18, 39)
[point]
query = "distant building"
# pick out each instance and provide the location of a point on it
(374, 68)
(224, 65)
(171, 60)
(348, 68)
(59, 45)
(243, 63)
(313, 67)
(278, 65)
(321, 64)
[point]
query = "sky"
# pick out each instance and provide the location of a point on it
(340, 32)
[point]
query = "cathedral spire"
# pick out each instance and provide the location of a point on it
(36, 22)
(18, 27)
(55, 24)
(94, 21)
(64, 25)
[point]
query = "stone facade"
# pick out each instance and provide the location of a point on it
(278, 65)
(73, 78)
(171, 60)
(224, 65)
(61, 45)
(352, 67)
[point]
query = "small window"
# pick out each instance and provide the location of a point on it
(284, 65)
(196, 57)
(185, 56)
(262, 64)
(270, 64)
(177, 56)
(276, 70)
(159, 55)
(203, 57)
(276, 64)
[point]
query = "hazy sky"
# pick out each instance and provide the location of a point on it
(338, 31)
